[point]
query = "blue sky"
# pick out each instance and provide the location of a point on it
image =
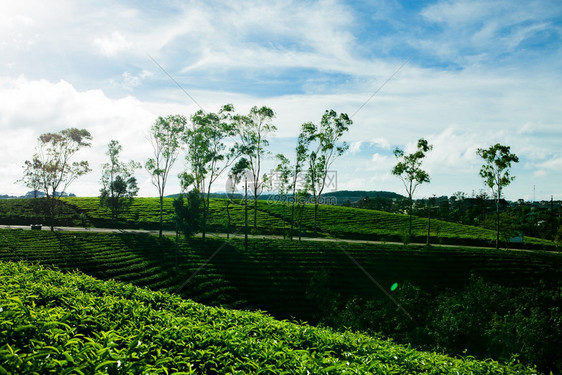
(477, 73)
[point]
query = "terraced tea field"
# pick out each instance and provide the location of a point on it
(346, 222)
(72, 323)
(271, 275)
(273, 218)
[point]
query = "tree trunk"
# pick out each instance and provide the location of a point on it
(161, 217)
(300, 221)
(204, 230)
(498, 220)
(410, 218)
(283, 216)
(255, 212)
(428, 225)
(205, 212)
(315, 213)
(52, 211)
(293, 214)
(228, 219)
(246, 216)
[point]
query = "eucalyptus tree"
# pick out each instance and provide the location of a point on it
(51, 167)
(252, 131)
(119, 185)
(208, 155)
(238, 171)
(281, 181)
(409, 170)
(166, 138)
(496, 172)
(32, 176)
(326, 140)
(289, 174)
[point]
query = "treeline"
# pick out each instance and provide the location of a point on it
(227, 142)
(520, 218)
(213, 144)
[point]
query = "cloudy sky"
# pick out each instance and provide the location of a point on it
(463, 74)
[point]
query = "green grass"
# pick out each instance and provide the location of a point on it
(273, 218)
(53, 322)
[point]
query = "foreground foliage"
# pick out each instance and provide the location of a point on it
(483, 319)
(319, 282)
(71, 323)
(271, 275)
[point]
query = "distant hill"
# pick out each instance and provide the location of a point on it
(355, 195)
(364, 193)
(341, 196)
(35, 194)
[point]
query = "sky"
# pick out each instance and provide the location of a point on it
(462, 74)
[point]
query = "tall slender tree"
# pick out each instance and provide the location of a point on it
(51, 166)
(291, 174)
(253, 130)
(496, 172)
(119, 185)
(32, 176)
(239, 172)
(208, 156)
(409, 170)
(281, 181)
(166, 138)
(327, 139)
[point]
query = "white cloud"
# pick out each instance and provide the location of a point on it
(266, 36)
(354, 147)
(459, 13)
(381, 163)
(527, 128)
(129, 81)
(554, 164)
(477, 31)
(380, 142)
(86, 65)
(36, 107)
(453, 151)
(112, 44)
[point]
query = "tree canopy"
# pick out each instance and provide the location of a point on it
(51, 168)
(166, 137)
(496, 172)
(252, 131)
(409, 170)
(119, 185)
(325, 146)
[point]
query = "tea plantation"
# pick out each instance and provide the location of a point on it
(272, 218)
(424, 296)
(53, 322)
(271, 275)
